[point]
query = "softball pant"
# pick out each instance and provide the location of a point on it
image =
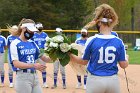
(102, 84)
(27, 83)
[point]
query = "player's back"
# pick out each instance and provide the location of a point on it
(40, 39)
(81, 41)
(105, 51)
(10, 38)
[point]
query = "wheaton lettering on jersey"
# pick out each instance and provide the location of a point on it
(39, 39)
(28, 51)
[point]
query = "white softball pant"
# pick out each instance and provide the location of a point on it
(102, 84)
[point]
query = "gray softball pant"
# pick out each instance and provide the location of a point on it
(2, 56)
(56, 67)
(102, 84)
(10, 66)
(27, 83)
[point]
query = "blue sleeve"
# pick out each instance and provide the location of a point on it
(8, 42)
(122, 53)
(5, 42)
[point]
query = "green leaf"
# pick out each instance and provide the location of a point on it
(74, 51)
(60, 54)
(65, 60)
(53, 55)
(66, 40)
(42, 51)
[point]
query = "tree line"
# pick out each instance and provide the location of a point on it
(68, 14)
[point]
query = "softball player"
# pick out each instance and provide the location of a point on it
(82, 40)
(102, 53)
(24, 52)
(10, 38)
(56, 68)
(2, 56)
(40, 40)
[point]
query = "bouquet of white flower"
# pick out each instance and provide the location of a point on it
(58, 47)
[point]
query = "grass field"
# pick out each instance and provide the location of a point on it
(134, 56)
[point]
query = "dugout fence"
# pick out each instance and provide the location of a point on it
(128, 37)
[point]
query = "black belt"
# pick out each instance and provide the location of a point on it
(27, 71)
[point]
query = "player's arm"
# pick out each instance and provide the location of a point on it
(74, 58)
(85, 57)
(23, 65)
(123, 58)
(45, 58)
(124, 64)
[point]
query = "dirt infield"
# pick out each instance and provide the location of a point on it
(133, 73)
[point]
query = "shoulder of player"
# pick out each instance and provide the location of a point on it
(90, 39)
(78, 39)
(15, 42)
(2, 37)
(30, 40)
(11, 37)
(119, 39)
(45, 34)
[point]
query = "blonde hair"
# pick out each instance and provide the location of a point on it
(12, 29)
(104, 11)
(19, 30)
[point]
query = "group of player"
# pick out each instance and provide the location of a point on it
(101, 54)
(40, 39)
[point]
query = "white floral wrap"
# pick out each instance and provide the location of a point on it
(78, 68)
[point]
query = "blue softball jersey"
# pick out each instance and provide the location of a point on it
(81, 41)
(40, 39)
(114, 33)
(10, 38)
(103, 52)
(26, 52)
(2, 43)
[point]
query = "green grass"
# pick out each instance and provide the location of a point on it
(134, 56)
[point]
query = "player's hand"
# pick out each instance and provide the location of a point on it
(39, 67)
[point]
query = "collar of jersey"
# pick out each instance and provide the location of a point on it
(105, 36)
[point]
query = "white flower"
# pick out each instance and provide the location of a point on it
(48, 39)
(52, 44)
(74, 45)
(46, 48)
(58, 39)
(64, 47)
(46, 44)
